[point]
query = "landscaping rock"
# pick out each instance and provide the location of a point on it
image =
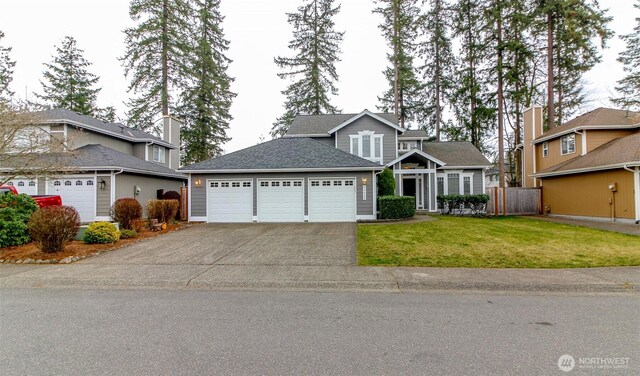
(66, 260)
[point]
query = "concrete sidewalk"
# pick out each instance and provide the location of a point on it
(623, 228)
(295, 277)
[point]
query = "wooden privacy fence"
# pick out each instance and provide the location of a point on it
(514, 201)
(184, 203)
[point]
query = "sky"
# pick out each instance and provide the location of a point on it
(258, 31)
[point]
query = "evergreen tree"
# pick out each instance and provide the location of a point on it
(107, 114)
(69, 84)
(6, 72)
(206, 102)
(629, 86)
(439, 66)
(155, 58)
(400, 21)
(474, 100)
(312, 69)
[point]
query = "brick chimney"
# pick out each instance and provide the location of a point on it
(532, 129)
(171, 134)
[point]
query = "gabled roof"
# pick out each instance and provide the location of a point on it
(98, 157)
(456, 154)
(413, 134)
(321, 125)
(418, 152)
(624, 151)
(600, 118)
(285, 154)
(59, 115)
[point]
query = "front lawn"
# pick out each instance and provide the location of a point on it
(503, 242)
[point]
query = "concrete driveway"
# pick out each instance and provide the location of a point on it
(300, 244)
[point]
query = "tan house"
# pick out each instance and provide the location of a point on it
(588, 167)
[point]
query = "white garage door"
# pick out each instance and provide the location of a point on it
(26, 186)
(280, 201)
(229, 201)
(78, 192)
(332, 200)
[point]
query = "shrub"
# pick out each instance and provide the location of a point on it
(396, 207)
(173, 195)
(101, 232)
(15, 211)
(138, 225)
(162, 210)
(52, 227)
(459, 204)
(386, 183)
(124, 210)
(128, 234)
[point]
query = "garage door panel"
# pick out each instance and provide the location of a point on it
(280, 201)
(78, 192)
(332, 200)
(230, 201)
(26, 186)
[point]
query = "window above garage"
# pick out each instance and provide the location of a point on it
(367, 145)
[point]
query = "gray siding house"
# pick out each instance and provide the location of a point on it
(325, 169)
(110, 161)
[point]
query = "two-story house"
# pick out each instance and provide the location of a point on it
(109, 161)
(588, 167)
(325, 169)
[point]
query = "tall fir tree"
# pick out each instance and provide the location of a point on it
(439, 66)
(474, 100)
(155, 59)
(400, 23)
(629, 86)
(67, 82)
(312, 69)
(205, 104)
(6, 72)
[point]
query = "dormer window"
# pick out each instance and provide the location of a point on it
(158, 154)
(568, 144)
(367, 145)
(407, 145)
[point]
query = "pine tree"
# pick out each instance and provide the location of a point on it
(474, 100)
(155, 58)
(312, 69)
(629, 86)
(69, 84)
(6, 72)
(400, 21)
(439, 66)
(206, 103)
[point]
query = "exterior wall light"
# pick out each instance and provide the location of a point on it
(102, 184)
(198, 183)
(364, 181)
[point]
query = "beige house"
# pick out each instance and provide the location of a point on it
(588, 167)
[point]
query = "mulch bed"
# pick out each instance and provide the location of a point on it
(77, 249)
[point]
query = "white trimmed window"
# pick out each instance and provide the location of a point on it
(407, 145)
(368, 145)
(568, 144)
(450, 183)
(545, 149)
(158, 154)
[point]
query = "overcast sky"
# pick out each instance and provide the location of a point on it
(258, 31)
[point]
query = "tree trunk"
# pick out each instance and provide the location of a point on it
(550, 100)
(438, 74)
(164, 58)
(500, 99)
(396, 50)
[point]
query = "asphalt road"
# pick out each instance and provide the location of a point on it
(153, 332)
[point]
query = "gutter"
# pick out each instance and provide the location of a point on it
(279, 170)
(581, 128)
(586, 169)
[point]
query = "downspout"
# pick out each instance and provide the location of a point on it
(636, 189)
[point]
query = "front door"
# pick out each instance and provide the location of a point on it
(413, 186)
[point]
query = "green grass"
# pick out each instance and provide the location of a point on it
(503, 242)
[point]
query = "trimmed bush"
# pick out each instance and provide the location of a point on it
(138, 225)
(52, 227)
(386, 183)
(101, 232)
(396, 207)
(15, 211)
(124, 210)
(128, 234)
(461, 204)
(173, 195)
(162, 210)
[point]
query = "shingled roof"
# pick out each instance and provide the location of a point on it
(600, 118)
(113, 129)
(285, 154)
(414, 133)
(614, 154)
(456, 153)
(322, 124)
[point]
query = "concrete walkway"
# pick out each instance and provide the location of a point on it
(624, 228)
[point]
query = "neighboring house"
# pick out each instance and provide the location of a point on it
(110, 161)
(325, 169)
(492, 176)
(587, 167)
